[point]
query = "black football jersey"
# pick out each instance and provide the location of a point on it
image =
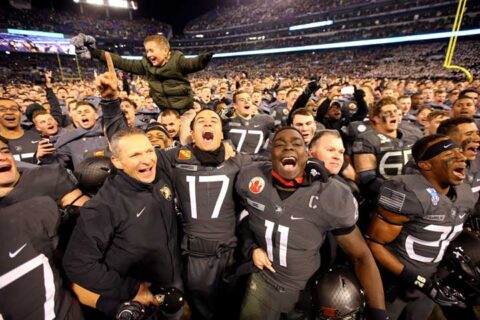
(292, 230)
(249, 136)
(280, 114)
(24, 148)
(391, 153)
(435, 219)
(50, 180)
(30, 284)
(205, 194)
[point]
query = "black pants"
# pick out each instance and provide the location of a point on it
(206, 264)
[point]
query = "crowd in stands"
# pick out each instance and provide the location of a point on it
(195, 188)
(91, 22)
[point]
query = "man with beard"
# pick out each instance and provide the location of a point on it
(248, 131)
(23, 143)
(417, 217)
(170, 119)
(288, 218)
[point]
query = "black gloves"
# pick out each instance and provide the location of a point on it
(312, 87)
(358, 94)
(442, 295)
(82, 44)
(316, 170)
(131, 310)
(205, 58)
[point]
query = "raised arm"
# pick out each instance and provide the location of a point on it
(112, 118)
(190, 65)
(128, 65)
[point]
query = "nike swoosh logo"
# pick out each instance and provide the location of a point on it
(447, 146)
(140, 213)
(461, 215)
(14, 254)
(296, 218)
(33, 141)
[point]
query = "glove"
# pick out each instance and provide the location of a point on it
(83, 44)
(316, 169)
(131, 310)
(358, 94)
(312, 87)
(205, 59)
(442, 295)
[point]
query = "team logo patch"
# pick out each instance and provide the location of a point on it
(184, 154)
(434, 196)
(166, 192)
(362, 128)
(285, 111)
(99, 153)
(256, 185)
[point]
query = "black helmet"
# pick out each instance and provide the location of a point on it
(170, 300)
(337, 294)
(460, 267)
(92, 173)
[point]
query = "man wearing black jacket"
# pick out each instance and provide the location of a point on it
(125, 238)
(124, 246)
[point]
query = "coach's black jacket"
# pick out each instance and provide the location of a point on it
(125, 234)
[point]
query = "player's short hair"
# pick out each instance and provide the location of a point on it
(438, 113)
(85, 103)
(462, 96)
(198, 113)
(37, 113)
(286, 128)
(404, 97)
(119, 135)
(170, 112)
(322, 133)
(291, 91)
(9, 99)
(377, 107)
(302, 112)
(450, 126)
(236, 93)
(158, 38)
(421, 145)
(131, 102)
(467, 90)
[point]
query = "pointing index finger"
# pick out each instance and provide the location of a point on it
(108, 59)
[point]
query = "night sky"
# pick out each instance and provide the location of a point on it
(174, 12)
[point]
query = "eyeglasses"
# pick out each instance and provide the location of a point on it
(11, 109)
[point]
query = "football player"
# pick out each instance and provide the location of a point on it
(418, 215)
(288, 217)
(248, 131)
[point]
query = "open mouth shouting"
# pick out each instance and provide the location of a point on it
(146, 173)
(458, 170)
(5, 168)
(207, 137)
(289, 164)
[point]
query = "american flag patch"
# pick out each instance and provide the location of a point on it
(391, 200)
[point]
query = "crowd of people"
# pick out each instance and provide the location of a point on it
(335, 184)
(71, 23)
(238, 195)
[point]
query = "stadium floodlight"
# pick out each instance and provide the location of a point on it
(95, 2)
(118, 3)
(340, 45)
(311, 25)
(122, 4)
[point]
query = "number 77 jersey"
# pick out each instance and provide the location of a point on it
(291, 231)
(435, 219)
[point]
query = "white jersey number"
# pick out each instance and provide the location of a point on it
(447, 234)
(205, 179)
(283, 231)
(243, 133)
